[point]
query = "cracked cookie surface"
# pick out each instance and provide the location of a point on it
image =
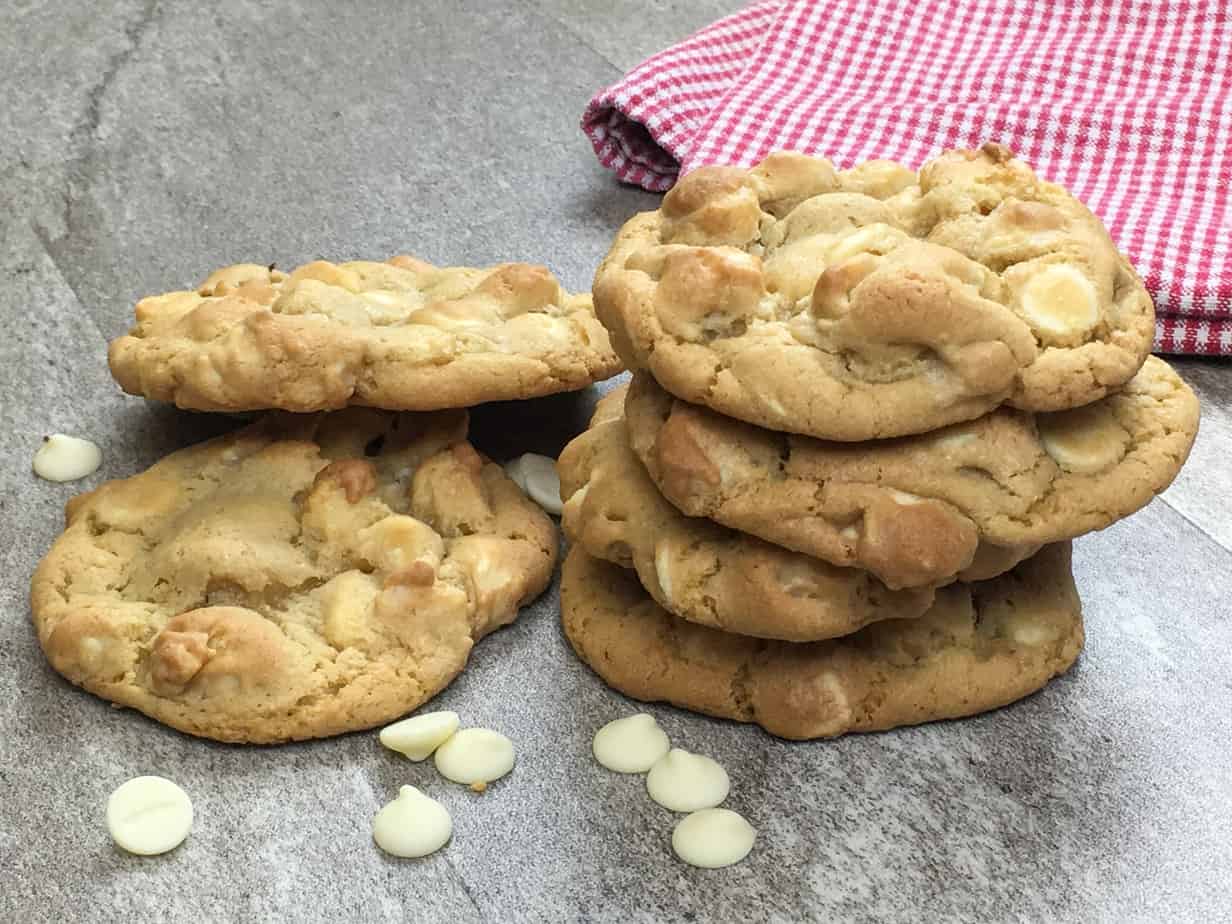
(402, 335)
(920, 509)
(699, 570)
(979, 647)
(303, 577)
(874, 302)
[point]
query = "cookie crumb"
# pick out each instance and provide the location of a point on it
(479, 786)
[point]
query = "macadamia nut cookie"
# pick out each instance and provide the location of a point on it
(402, 335)
(979, 647)
(920, 509)
(303, 577)
(699, 570)
(874, 302)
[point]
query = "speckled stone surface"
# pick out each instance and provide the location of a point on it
(142, 145)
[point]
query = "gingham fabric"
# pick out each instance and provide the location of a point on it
(1128, 103)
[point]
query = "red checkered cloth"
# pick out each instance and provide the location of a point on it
(1128, 103)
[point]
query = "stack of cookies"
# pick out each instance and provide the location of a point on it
(869, 411)
(329, 567)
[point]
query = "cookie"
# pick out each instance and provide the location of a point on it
(874, 302)
(699, 570)
(303, 577)
(979, 647)
(403, 335)
(918, 510)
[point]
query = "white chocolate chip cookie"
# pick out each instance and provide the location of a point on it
(403, 335)
(702, 571)
(303, 577)
(979, 647)
(969, 500)
(874, 302)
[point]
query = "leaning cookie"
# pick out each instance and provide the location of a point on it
(303, 577)
(918, 510)
(699, 570)
(980, 646)
(874, 302)
(402, 335)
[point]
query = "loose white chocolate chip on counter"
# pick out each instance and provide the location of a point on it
(713, 838)
(536, 475)
(149, 815)
(1060, 300)
(413, 825)
(420, 735)
(66, 458)
(1085, 440)
(684, 782)
(475, 755)
(631, 745)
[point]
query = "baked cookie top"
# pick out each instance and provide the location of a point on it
(920, 509)
(979, 647)
(403, 335)
(302, 577)
(874, 302)
(699, 570)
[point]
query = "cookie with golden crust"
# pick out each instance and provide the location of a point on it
(303, 577)
(874, 302)
(402, 335)
(979, 647)
(920, 509)
(699, 570)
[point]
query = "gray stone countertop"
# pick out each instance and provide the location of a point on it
(143, 144)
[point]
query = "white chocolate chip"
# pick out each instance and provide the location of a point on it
(956, 440)
(536, 475)
(66, 458)
(713, 838)
(631, 745)
(903, 499)
(475, 755)
(663, 568)
(1060, 300)
(420, 735)
(382, 306)
(149, 815)
(1085, 440)
(384, 298)
(684, 782)
(878, 238)
(413, 825)
(775, 405)
(1032, 633)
